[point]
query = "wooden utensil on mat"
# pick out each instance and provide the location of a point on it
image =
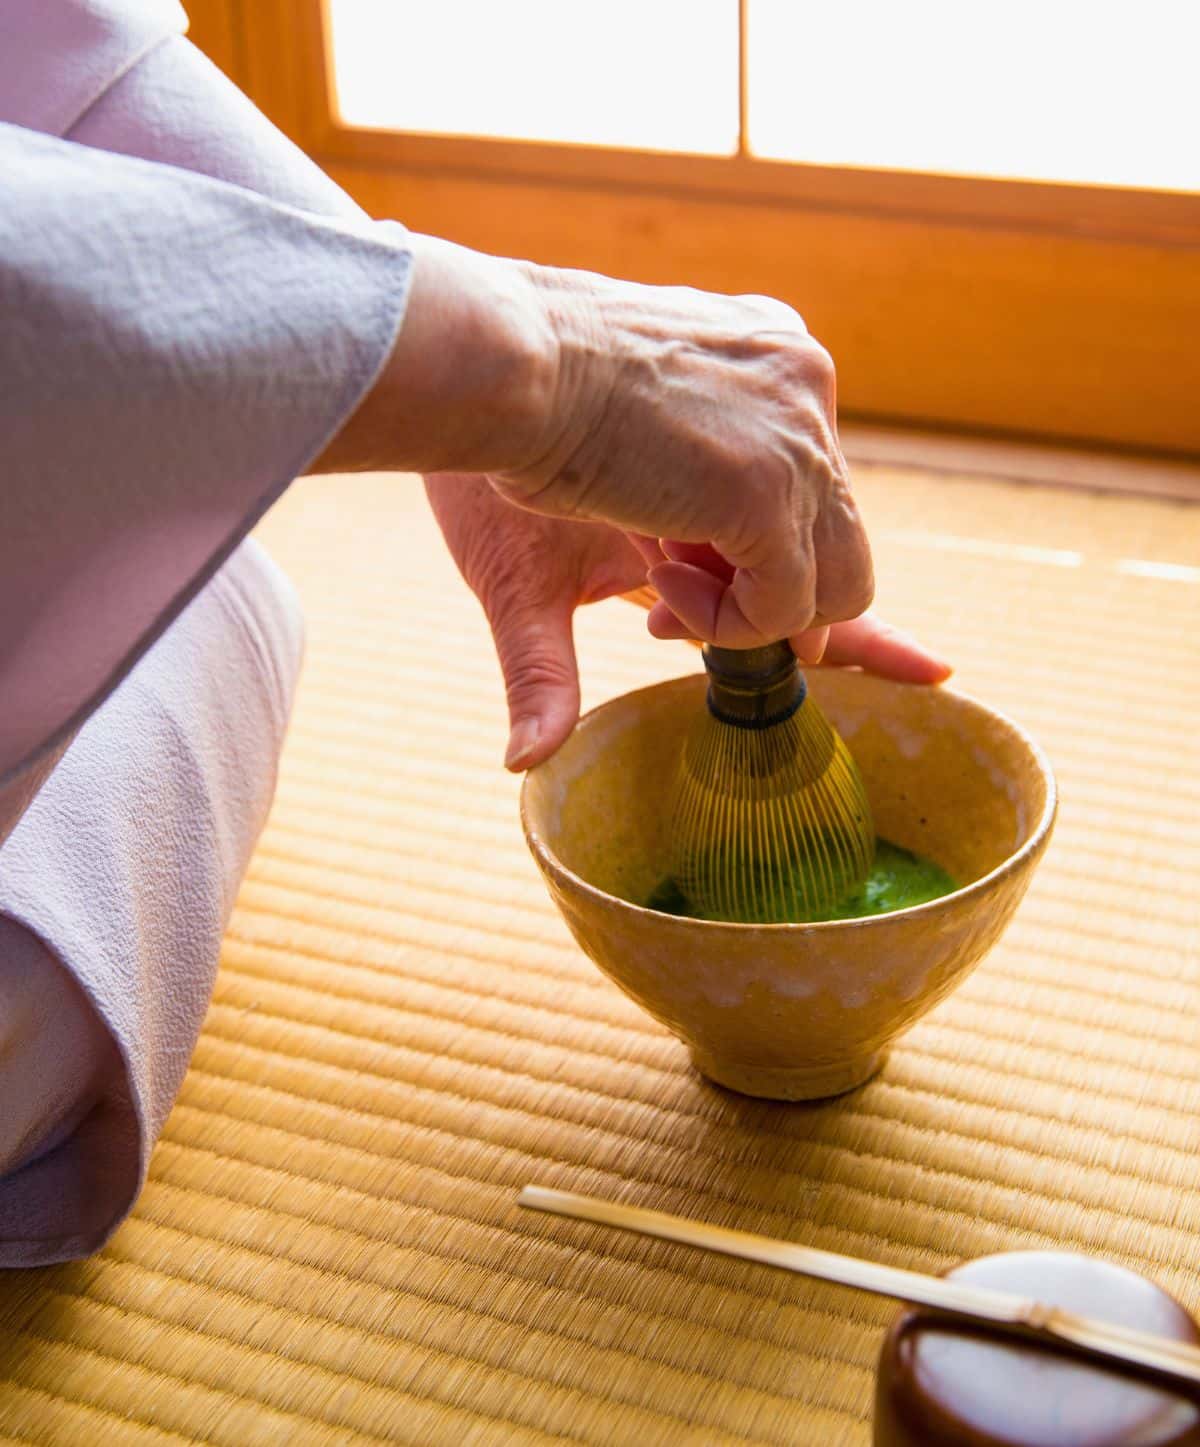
(1002, 1311)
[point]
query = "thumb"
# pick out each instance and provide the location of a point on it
(536, 649)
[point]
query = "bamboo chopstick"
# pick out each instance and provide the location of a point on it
(1012, 1315)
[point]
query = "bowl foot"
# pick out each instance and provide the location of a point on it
(805, 1082)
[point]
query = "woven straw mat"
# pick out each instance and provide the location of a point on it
(403, 1033)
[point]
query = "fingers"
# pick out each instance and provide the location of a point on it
(870, 643)
(772, 600)
(662, 623)
(798, 558)
(702, 602)
(691, 584)
(795, 578)
(758, 605)
(866, 642)
(536, 650)
(713, 611)
(648, 548)
(700, 555)
(809, 646)
(693, 595)
(530, 573)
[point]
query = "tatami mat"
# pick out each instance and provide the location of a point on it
(403, 1033)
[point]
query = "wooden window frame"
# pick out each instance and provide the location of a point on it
(1064, 312)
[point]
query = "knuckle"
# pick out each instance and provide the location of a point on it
(772, 309)
(806, 383)
(531, 672)
(809, 461)
(509, 571)
(847, 578)
(861, 592)
(502, 586)
(818, 363)
(856, 590)
(755, 532)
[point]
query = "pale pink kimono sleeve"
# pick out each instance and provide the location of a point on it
(174, 351)
(188, 311)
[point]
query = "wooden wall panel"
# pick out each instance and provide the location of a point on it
(1016, 308)
(953, 325)
(216, 27)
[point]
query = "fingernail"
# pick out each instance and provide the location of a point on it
(521, 743)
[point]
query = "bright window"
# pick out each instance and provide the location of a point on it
(1067, 90)
(655, 75)
(1086, 91)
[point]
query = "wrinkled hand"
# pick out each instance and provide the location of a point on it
(531, 573)
(703, 419)
(665, 411)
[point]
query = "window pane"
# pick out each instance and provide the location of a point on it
(656, 75)
(1070, 90)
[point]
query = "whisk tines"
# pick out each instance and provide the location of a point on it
(770, 821)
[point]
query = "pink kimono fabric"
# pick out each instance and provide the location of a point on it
(189, 310)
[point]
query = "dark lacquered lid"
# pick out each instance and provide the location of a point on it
(943, 1385)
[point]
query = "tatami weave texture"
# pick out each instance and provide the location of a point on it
(403, 1033)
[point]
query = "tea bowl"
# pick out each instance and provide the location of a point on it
(794, 1011)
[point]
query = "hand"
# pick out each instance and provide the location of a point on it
(705, 420)
(863, 642)
(673, 413)
(531, 573)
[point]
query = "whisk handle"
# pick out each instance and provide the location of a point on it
(753, 688)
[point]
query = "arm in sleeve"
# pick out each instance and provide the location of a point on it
(174, 350)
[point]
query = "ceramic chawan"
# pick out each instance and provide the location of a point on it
(794, 1011)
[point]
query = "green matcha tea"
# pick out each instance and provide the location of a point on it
(898, 881)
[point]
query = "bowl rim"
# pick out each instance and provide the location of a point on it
(1032, 846)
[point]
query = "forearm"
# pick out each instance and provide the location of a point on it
(664, 411)
(467, 382)
(169, 368)
(471, 380)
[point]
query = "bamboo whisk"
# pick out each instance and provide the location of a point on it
(769, 818)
